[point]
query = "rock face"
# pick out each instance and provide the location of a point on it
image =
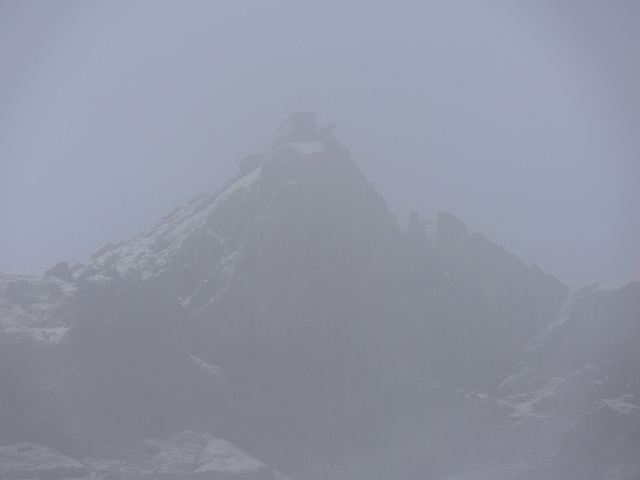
(288, 313)
(577, 384)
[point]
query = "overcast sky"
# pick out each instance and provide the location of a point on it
(522, 118)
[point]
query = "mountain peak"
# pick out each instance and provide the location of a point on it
(299, 126)
(202, 240)
(288, 314)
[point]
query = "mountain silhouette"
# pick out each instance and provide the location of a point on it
(289, 316)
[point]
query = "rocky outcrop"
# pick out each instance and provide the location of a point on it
(471, 306)
(61, 271)
(575, 393)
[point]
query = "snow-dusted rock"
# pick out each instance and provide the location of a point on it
(26, 461)
(35, 308)
(186, 455)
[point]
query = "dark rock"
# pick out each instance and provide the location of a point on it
(451, 232)
(87, 272)
(416, 228)
(61, 271)
(250, 163)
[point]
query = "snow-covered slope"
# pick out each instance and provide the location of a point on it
(632, 277)
(151, 253)
(201, 242)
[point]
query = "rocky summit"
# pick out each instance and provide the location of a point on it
(285, 325)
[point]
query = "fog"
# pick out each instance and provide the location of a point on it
(520, 118)
(293, 322)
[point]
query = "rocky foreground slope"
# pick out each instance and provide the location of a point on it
(288, 314)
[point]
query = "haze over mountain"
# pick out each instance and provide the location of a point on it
(520, 117)
(287, 323)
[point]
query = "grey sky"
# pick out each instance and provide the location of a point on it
(522, 118)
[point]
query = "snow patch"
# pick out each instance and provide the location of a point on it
(558, 319)
(200, 455)
(532, 401)
(238, 185)
(634, 276)
(220, 456)
(307, 148)
(27, 461)
(210, 371)
(512, 380)
(99, 279)
(621, 406)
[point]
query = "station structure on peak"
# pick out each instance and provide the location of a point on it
(299, 127)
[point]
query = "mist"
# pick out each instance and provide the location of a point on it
(521, 119)
(320, 240)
